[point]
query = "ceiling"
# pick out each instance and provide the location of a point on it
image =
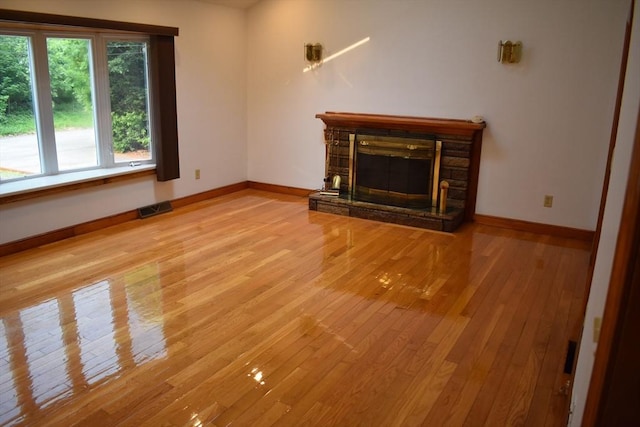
(238, 4)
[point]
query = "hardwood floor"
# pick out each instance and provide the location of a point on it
(250, 310)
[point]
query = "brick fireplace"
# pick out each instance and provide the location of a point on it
(392, 169)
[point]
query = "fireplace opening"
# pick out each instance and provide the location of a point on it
(396, 171)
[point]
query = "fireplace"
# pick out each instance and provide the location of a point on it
(407, 170)
(395, 171)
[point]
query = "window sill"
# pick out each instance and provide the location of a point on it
(38, 187)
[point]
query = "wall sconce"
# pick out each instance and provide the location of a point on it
(313, 53)
(509, 52)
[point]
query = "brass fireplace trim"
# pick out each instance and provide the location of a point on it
(410, 148)
(436, 175)
(416, 201)
(352, 172)
(387, 146)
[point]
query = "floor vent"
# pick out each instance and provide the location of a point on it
(157, 209)
(571, 355)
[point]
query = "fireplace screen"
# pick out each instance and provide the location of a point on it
(394, 171)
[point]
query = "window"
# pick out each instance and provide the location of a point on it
(109, 85)
(73, 102)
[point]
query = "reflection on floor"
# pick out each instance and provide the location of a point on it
(251, 310)
(67, 343)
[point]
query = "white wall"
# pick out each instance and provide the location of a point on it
(611, 221)
(549, 117)
(246, 110)
(211, 101)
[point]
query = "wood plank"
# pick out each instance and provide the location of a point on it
(249, 309)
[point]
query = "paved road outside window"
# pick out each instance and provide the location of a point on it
(76, 149)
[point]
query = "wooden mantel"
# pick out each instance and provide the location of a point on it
(409, 123)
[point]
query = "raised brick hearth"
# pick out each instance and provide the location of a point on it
(459, 145)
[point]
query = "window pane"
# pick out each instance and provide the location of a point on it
(71, 94)
(19, 151)
(127, 62)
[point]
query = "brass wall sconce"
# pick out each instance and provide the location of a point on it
(313, 53)
(509, 52)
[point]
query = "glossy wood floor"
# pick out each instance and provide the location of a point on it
(249, 310)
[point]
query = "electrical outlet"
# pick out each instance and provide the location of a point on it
(197, 173)
(548, 201)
